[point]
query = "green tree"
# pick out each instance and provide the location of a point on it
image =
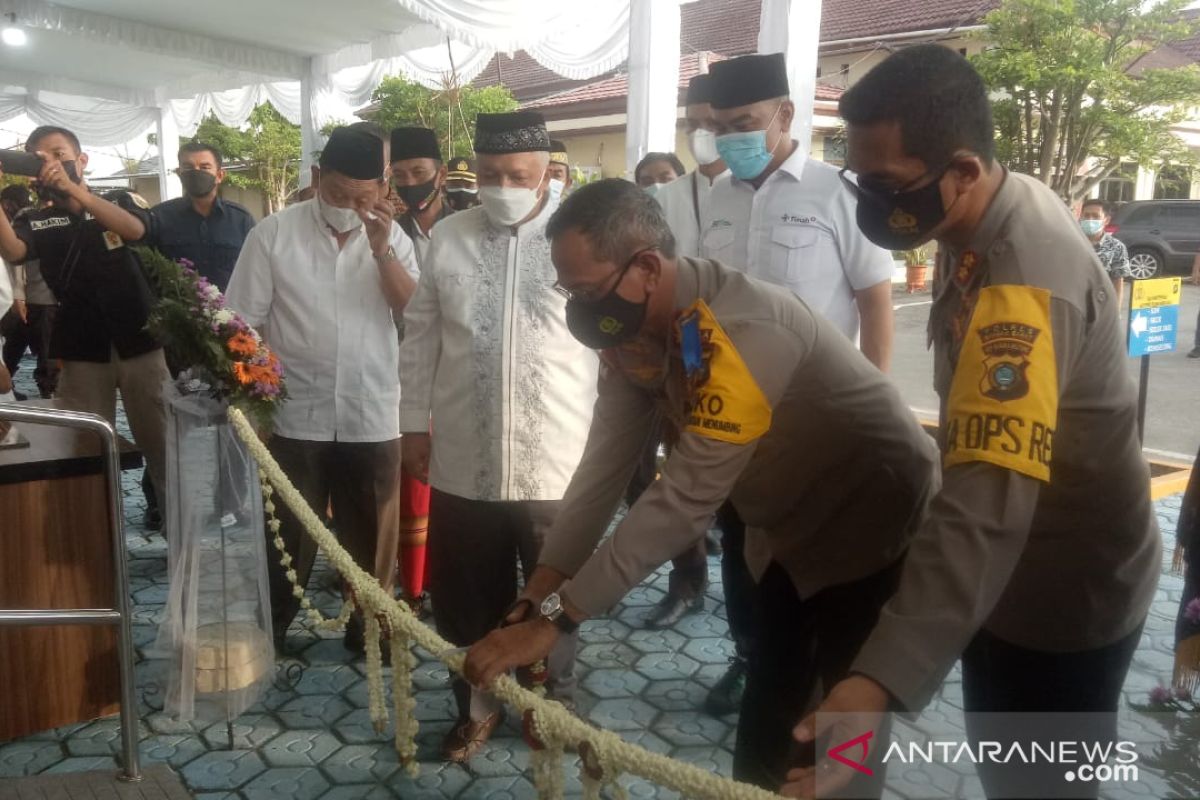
(269, 147)
(1075, 93)
(451, 111)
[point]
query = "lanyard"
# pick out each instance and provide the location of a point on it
(696, 199)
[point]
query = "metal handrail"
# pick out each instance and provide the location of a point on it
(120, 614)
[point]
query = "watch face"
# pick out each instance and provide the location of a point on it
(551, 605)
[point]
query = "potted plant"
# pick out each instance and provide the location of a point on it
(916, 268)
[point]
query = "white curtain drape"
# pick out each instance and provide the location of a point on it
(97, 122)
(578, 39)
(793, 27)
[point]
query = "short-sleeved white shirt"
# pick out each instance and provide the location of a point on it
(324, 312)
(798, 230)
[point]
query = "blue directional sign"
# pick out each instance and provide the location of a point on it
(1152, 330)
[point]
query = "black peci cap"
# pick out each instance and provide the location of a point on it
(415, 143)
(748, 79)
(353, 153)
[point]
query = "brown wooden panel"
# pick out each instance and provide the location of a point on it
(56, 552)
(58, 452)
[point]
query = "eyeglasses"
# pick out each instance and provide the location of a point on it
(875, 191)
(587, 295)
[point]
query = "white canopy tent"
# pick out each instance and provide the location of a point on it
(111, 69)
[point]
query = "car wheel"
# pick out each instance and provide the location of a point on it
(1144, 263)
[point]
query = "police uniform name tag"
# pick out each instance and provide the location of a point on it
(1003, 404)
(725, 402)
(112, 241)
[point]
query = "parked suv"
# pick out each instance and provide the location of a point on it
(1162, 235)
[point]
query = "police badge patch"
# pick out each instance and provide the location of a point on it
(1006, 349)
(1003, 403)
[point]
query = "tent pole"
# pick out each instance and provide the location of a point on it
(168, 153)
(793, 27)
(653, 101)
(310, 137)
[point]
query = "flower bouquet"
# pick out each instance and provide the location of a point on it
(222, 353)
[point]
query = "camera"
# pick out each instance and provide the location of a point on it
(18, 162)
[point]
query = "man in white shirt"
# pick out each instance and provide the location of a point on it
(786, 218)
(687, 202)
(488, 360)
(322, 281)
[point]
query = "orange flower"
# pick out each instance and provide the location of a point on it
(242, 344)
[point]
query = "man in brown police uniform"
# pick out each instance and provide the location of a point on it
(777, 411)
(1039, 557)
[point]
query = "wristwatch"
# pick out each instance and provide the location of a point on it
(552, 610)
(387, 255)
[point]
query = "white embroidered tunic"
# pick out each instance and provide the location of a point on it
(488, 360)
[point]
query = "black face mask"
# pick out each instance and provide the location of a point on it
(899, 220)
(462, 199)
(608, 321)
(197, 182)
(46, 193)
(417, 198)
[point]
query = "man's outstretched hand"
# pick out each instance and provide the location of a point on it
(856, 705)
(507, 648)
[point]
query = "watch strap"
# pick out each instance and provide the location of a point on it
(565, 624)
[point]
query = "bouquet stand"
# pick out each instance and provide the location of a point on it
(216, 635)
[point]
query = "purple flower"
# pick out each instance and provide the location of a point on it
(186, 263)
(1160, 695)
(1192, 612)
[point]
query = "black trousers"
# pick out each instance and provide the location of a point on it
(33, 334)
(361, 481)
(475, 547)
(741, 594)
(1000, 677)
(803, 647)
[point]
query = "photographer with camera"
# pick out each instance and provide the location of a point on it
(81, 241)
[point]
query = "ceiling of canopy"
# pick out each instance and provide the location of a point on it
(126, 59)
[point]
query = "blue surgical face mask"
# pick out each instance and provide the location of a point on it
(1092, 227)
(746, 153)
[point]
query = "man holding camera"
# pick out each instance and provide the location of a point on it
(82, 243)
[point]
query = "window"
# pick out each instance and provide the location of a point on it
(962, 51)
(845, 70)
(1184, 216)
(1141, 215)
(1173, 183)
(1119, 187)
(835, 151)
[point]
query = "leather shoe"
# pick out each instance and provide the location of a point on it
(465, 740)
(726, 695)
(1195, 353)
(672, 608)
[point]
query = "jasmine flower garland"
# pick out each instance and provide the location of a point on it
(552, 726)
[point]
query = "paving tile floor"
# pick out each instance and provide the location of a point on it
(315, 740)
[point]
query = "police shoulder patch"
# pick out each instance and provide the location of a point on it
(1003, 404)
(726, 402)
